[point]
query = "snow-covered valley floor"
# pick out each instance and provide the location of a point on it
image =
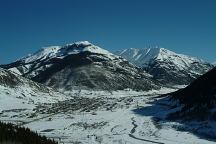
(122, 117)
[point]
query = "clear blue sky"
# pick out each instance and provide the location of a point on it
(184, 26)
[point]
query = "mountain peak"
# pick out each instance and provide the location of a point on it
(62, 51)
(80, 44)
(82, 64)
(83, 46)
(143, 56)
(166, 65)
(140, 57)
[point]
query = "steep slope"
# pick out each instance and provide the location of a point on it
(18, 93)
(81, 65)
(198, 100)
(166, 66)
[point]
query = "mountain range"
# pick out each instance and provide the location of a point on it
(82, 65)
(80, 92)
(166, 66)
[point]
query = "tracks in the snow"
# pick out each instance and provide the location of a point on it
(133, 130)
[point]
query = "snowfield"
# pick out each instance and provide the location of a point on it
(121, 117)
(167, 66)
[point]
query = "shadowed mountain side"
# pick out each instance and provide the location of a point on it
(82, 65)
(198, 100)
(166, 66)
(159, 111)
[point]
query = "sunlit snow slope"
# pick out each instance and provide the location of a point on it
(82, 65)
(20, 94)
(166, 66)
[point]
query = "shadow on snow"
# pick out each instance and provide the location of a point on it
(160, 109)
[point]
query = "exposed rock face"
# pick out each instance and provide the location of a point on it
(82, 65)
(166, 66)
(12, 80)
(17, 92)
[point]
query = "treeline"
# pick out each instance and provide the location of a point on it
(10, 133)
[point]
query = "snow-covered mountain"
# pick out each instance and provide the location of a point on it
(17, 92)
(81, 65)
(166, 66)
(93, 116)
(197, 100)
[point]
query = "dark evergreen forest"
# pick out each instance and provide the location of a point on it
(12, 134)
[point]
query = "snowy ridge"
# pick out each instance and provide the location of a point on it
(165, 65)
(143, 57)
(139, 57)
(82, 64)
(33, 64)
(179, 60)
(63, 51)
(44, 53)
(17, 92)
(89, 116)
